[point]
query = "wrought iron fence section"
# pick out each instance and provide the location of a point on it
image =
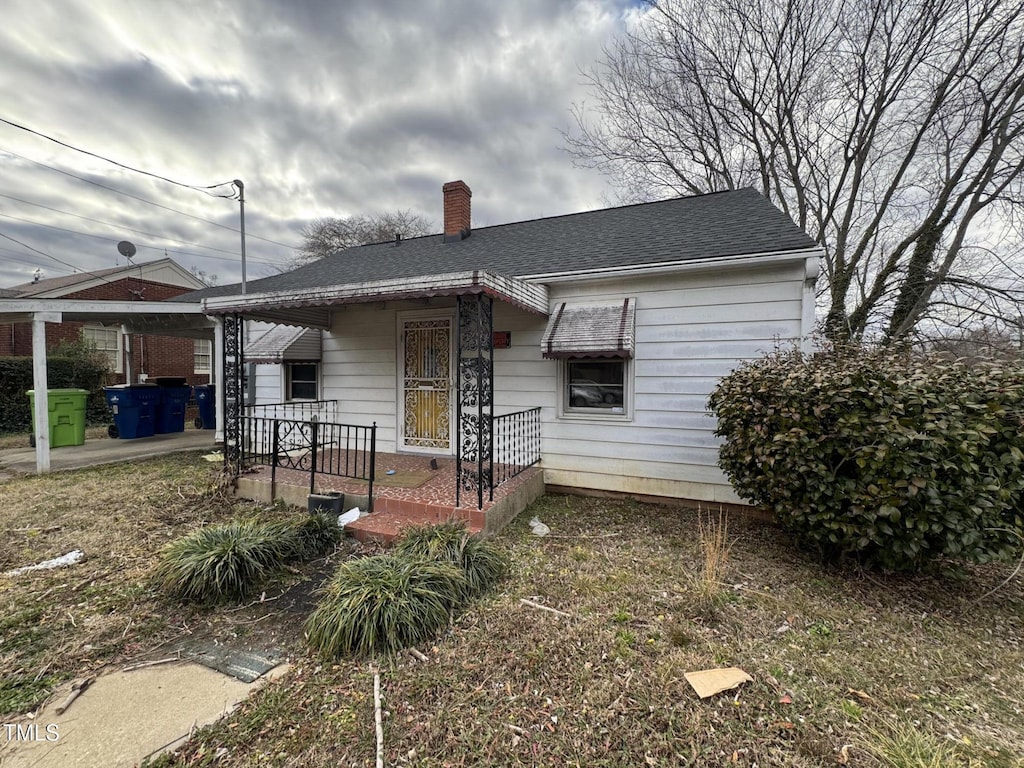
(516, 444)
(231, 392)
(296, 410)
(313, 446)
(474, 345)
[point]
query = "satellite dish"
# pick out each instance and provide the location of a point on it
(126, 249)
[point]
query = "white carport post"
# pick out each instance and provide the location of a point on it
(126, 341)
(218, 376)
(39, 386)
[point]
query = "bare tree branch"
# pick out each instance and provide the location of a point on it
(889, 131)
(324, 236)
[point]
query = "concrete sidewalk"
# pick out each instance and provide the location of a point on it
(15, 461)
(124, 717)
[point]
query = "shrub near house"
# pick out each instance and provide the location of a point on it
(874, 454)
(70, 365)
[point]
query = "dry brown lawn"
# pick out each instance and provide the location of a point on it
(849, 668)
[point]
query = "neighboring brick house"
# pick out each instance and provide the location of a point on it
(150, 355)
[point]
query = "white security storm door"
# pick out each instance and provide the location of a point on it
(426, 384)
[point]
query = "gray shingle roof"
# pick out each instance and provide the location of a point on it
(707, 226)
(27, 290)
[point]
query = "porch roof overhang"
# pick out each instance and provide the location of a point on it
(170, 318)
(310, 307)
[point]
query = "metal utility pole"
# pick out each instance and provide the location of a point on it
(241, 212)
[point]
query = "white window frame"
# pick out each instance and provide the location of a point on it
(288, 381)
(115, 333)
(566, 410)
(202, 348)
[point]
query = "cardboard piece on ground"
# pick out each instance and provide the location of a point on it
(708, 682)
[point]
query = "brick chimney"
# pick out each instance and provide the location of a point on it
(456, 211)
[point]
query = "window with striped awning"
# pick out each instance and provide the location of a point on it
(590, 330)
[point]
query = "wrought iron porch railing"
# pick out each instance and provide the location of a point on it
(296, 410)
(516, 444)
(313, 446)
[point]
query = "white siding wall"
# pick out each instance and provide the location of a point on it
(690, 331)
(522, 378)
(359, 367)
(269, 383)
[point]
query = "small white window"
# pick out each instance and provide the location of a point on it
(595, 386)
(108, 342)
(302, 381)
(202, 356)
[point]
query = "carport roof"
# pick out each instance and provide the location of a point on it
(170, 318)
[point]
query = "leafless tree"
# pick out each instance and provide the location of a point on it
(889, 130)
(984, 342)
(325, 236)
(206, 278)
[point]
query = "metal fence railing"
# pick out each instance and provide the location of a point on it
(313, 446)
(349, 450)
(296, 410)
(515, 446)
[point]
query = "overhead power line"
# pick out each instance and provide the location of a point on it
(116, 226)
(204, 190)
(114, 240)
(20, 257)
(144, 200)
(54, 258)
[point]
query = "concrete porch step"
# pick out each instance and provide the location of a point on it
(385, 527)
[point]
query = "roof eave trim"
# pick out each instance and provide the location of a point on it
(717, 262)
(527, 296)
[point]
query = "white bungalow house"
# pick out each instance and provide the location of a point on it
(603, 331)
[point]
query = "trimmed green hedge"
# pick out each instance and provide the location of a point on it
(878, 455)
(77, 371)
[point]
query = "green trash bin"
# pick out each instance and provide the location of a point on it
(67, 415)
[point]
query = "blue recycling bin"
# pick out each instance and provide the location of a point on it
(134, 408)
(170, 408)
(206, 401)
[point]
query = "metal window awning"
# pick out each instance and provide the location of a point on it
(590, 330)
(284, 343)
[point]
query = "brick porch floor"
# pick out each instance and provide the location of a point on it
(395, 508)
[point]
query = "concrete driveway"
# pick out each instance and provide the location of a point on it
(17, 461)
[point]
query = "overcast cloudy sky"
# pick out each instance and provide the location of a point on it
(321, 108)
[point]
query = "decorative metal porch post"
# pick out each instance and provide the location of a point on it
(232, 394)
(475, 396)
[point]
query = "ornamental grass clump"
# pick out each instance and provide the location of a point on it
(314, 535)
(482, 562)
(875, 454)
(231, 560)
(384, 603)
(226, 561)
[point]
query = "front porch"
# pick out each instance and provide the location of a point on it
(411, 364)
(291, 451)
(416, 494)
